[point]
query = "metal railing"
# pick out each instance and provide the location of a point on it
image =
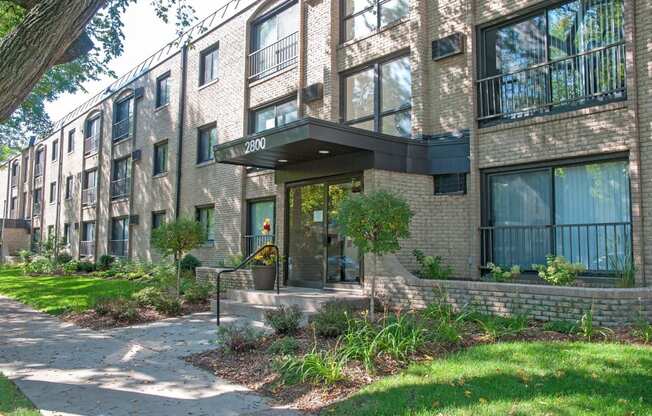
(246, 261)
(36, 209)
(120, 187)
(89, 196)
(119, 247)
(87, 248)
(273, 58)
(582, 79)
(254, 242)
(38, 169)
(91, 144)
(123, 128)
(596, 246)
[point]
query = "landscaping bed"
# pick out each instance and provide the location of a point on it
(13, 402)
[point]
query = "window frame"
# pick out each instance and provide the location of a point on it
(376, 8)
(71, 141)
(211, 155)
(377, 115)
(130, 100)
(127, 178)
(463, 182)
(253, 47)
(126, 227)
(156, 161)
(55, 150)
(66, 233)
(215, 48)
(69, 187)
(198, 210)
(275, 103)
(154, 215)
(53, 192)
(159, 103)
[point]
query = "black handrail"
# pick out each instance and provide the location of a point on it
(241, 265)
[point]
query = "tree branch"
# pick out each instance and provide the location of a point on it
(39, 42)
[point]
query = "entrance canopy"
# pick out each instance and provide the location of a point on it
(312, 140)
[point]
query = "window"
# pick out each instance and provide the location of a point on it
(71, 141)
(260, 225)
(37, 198)
(36, 239)
(209, 65)
(123, 118)
(364, 17)
(66, 234)
(26, 164)
(205, 216)
(51, 231)
(119, 236)
(163, 90)
(158, 218)
(68, 189)
(91, 135)
(13, 203)
(87, 246)
(89, 184)
(453, 183)
(275, 115)
(563, 56)
(23, 209)
(379, 98)
(39, 161)
(53, 192)
(120, 178)
(207, 139)
(579, 211)
(160, 158)
(274, 41)
(55, 149)
(15, 169)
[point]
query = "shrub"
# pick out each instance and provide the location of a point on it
(587, 328)
(102, 306)
(285, 320)
(432, 267)
(148, 297)
(316, 367)
(558, 271)
(496, 327)
(331, 319)
(71, 267)
(563, 327)
(624, 269)
(63, 258)
(198, 292)
(189, 263)
(238, 338)
(498, 274)
(25, 256)
(642, 330)
(105, 262)
(40, 265)
(120, 309)
(86, 266)
(284, 346)
(169, 306)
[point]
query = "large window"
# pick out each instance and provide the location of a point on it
(205, 142)
(579, 211)
(89, 190)
(55, 150)
(274, 41)
(69, 186)
(163, 90)
(206, 217)
(209, 65)
(53, 192)
(275, 115)
(119, 236)
(379, 98)
(160, 158)
(66, 234)
(36, 208)
(260, 225)
(123, 118)
(39, 161)
(15, 170)
(71, 141)
(120, 178)
(158, 218)
(364, 17)
(87, 246)
(563, 56)
(91, 135)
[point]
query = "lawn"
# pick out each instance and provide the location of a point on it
(538, 378)
(59, 294)
(13, 402)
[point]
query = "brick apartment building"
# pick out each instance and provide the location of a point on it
(514, 128)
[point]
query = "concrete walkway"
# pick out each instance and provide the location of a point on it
(67, 370)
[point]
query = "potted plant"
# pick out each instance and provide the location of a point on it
(263, 268)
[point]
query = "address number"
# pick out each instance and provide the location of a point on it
(255, 145)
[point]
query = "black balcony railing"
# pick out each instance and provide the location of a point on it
(38, 169)
(89, 196)
(120, 188)
(254, 242)
(583, 79)
(599, 247)
(122, 128)
(87, 248)
(119, 247)
(36, 209)
(273, 58)
(91, 144)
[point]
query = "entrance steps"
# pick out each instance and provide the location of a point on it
(253, 304)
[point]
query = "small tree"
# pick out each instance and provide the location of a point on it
(176, 239)
(375, 221)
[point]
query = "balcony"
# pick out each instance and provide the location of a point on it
(600, 247)
(119, 248)
(254, 242)
(89, 196)
(14, 180)
(273, 58)
(588, 78)
(36, 209)
(38, 169)
(120, 188)
(91, 144)
(123, 128)
(87, 248)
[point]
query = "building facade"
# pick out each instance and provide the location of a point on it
(514, 129)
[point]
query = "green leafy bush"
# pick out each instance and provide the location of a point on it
(121, 309)
(283, 346)
(169, 305)
(496, 327)
(284, 319)
(558, 271)
(25, 256)
(71, 267)
(238, 338)
(563, 327)
(642, 330)
(189, 263)
(105, 262)
(330, 321)
(319, 367)
(587, 328)
(431, 267)
(86, 266)
(63, 258)
(499, 274)
(148, 297)
(197, 292)
(41, 265)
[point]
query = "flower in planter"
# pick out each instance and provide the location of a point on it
(267, 226)
(266, 257)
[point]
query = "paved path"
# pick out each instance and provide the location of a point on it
(67, 370)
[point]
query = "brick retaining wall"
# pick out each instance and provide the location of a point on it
(241, 279)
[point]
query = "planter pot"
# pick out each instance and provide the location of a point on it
(264, 277)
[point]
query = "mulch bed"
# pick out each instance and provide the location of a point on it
(255, 369)
(92, 320)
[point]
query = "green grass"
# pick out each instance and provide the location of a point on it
(13, 402)
(58, 294)
(517, 379)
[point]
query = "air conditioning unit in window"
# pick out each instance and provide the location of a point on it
(313, 92)
(139, 93)
(448, 46)
(136, 155)
(133, 220)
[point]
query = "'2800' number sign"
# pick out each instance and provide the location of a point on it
(255, 145)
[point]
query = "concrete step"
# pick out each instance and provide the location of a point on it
(308, 300)
(248, 311)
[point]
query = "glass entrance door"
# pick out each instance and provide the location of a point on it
(318, 252)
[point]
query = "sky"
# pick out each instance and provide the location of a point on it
(144, 35)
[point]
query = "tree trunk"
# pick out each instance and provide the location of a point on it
(179, 278)
(40, 41)
(372, 301)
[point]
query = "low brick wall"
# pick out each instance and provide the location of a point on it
(611, 306)
(241, 279)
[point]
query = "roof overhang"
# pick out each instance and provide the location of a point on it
(312, 140)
